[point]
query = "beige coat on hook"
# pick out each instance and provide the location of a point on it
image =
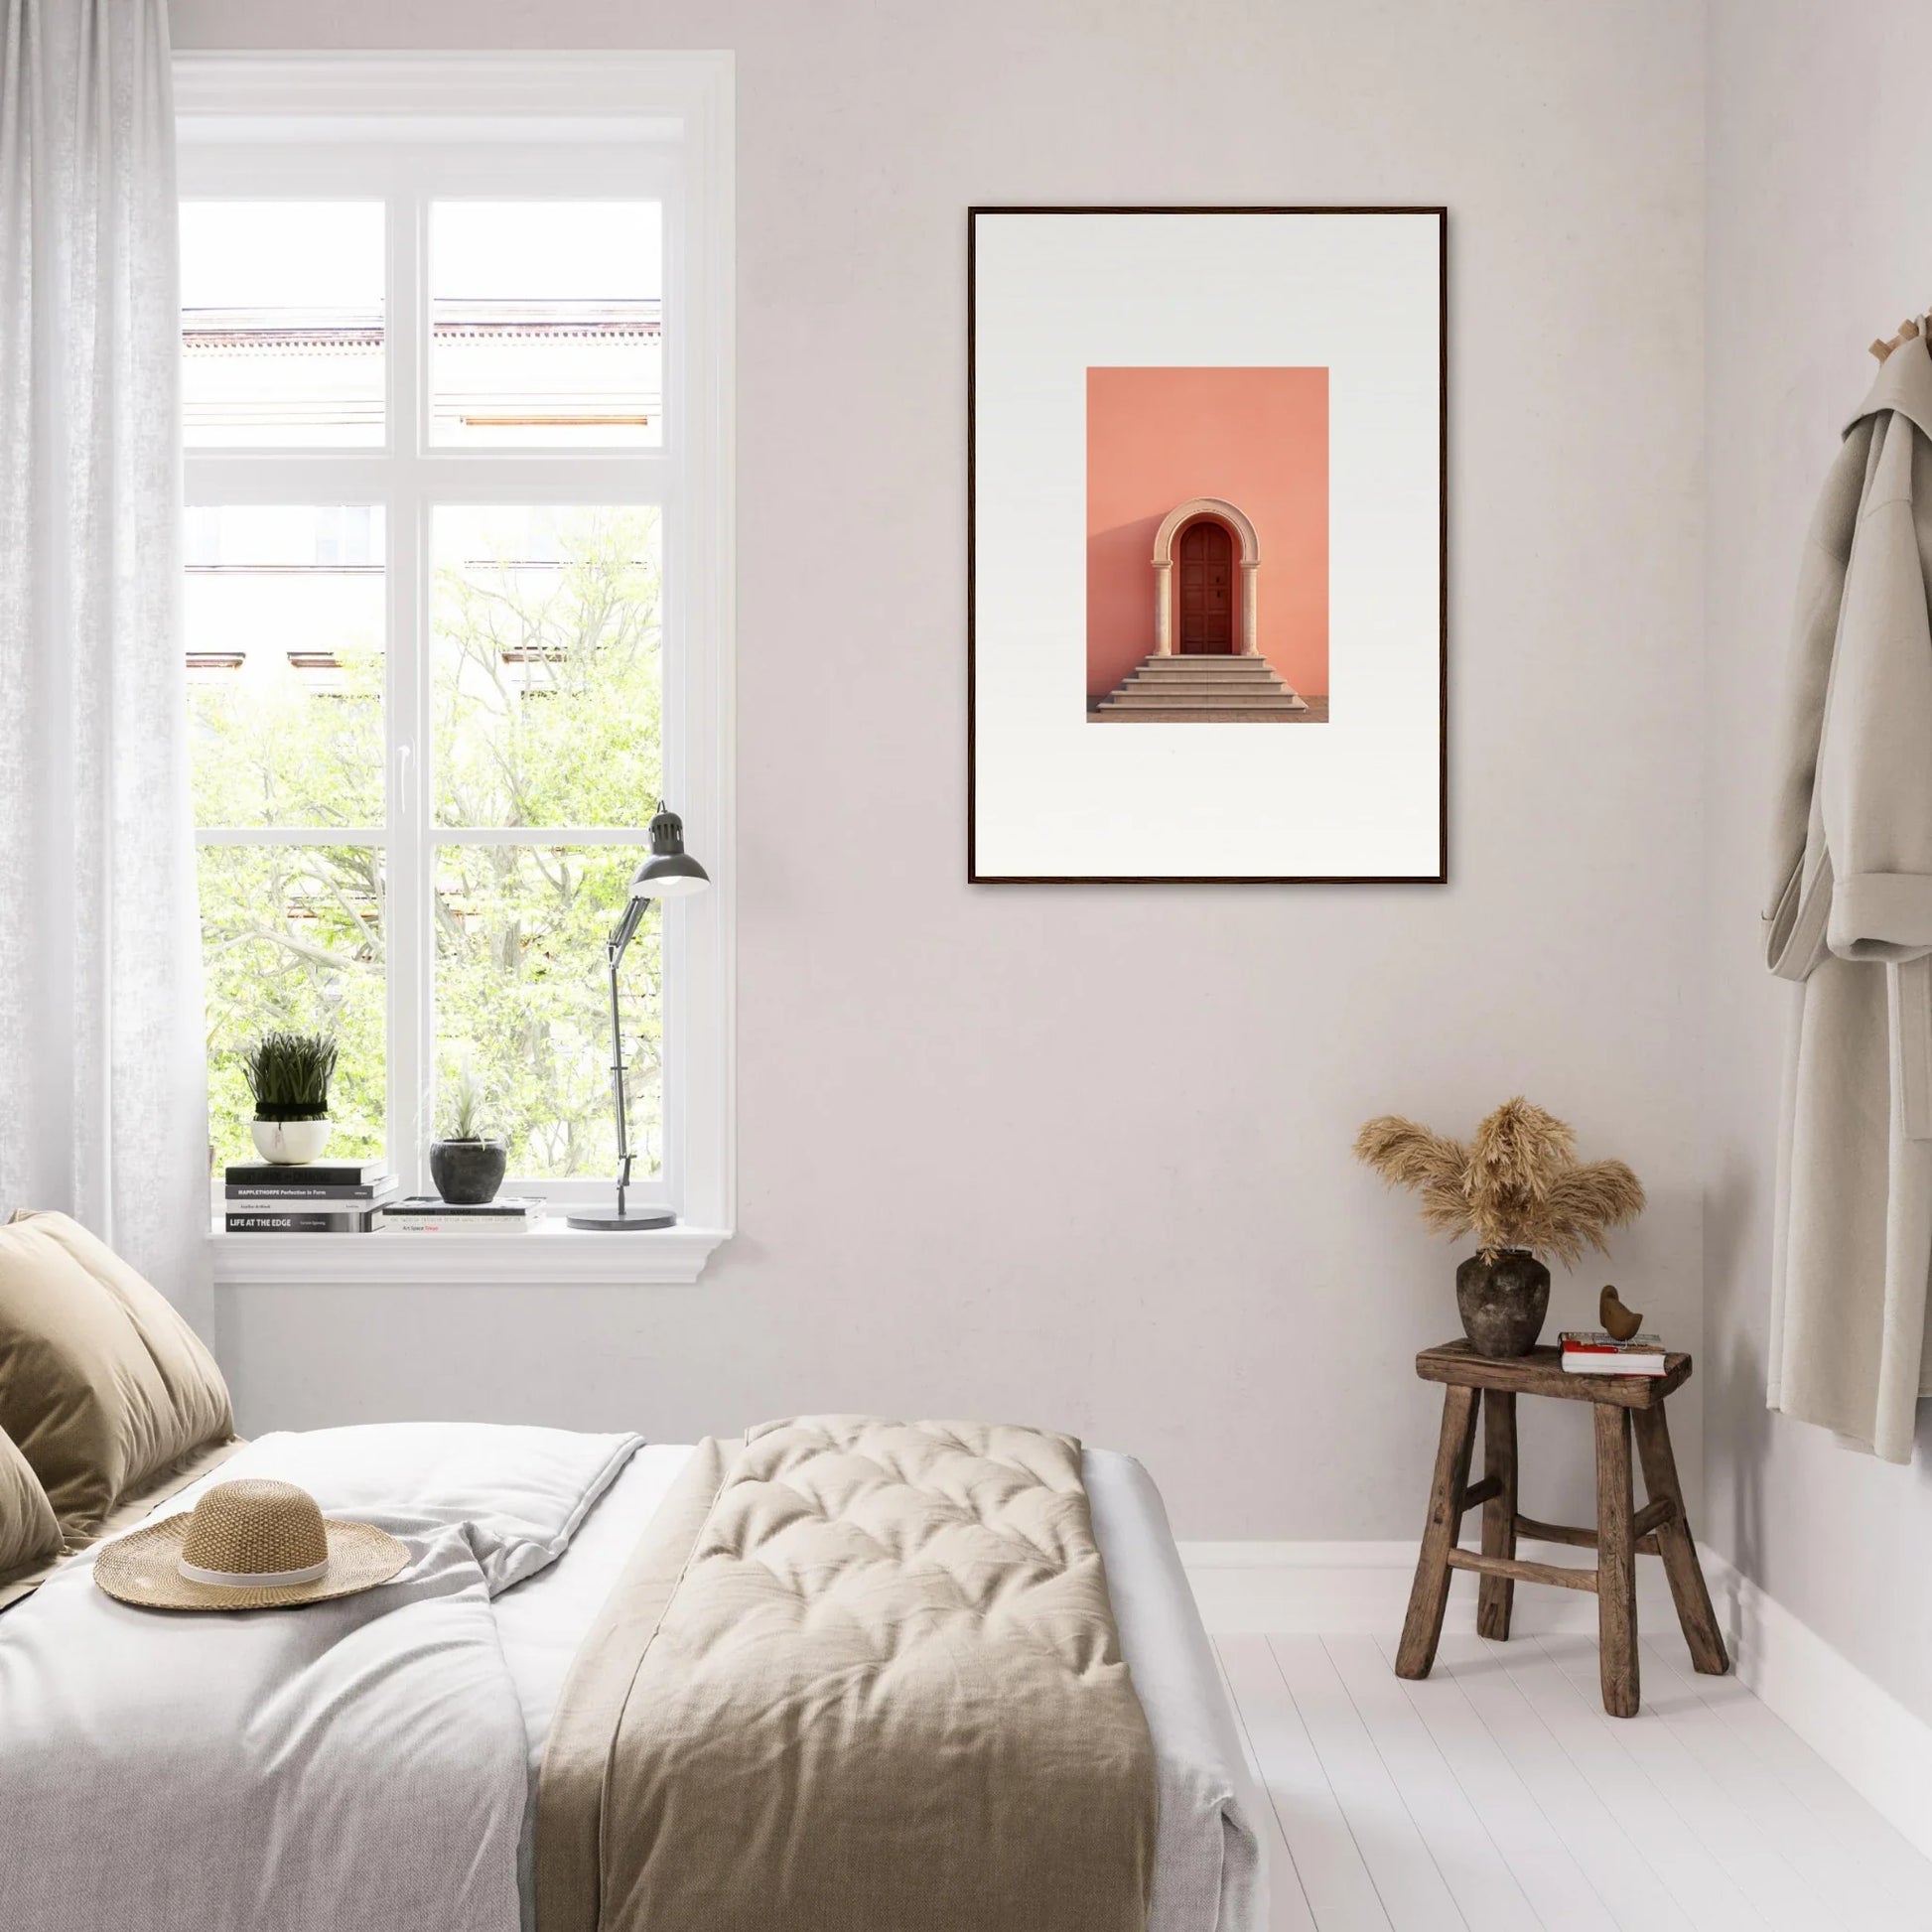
(1850, 916)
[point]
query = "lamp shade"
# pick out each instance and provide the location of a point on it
(670, 871)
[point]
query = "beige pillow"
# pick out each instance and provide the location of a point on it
(29, 1535)
(102, 1385)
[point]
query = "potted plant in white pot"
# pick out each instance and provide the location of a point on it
(289, 1075)
(469, 1163)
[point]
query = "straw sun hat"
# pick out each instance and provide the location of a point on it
(250, 1545)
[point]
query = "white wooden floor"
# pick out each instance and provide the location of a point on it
(1496, 1795)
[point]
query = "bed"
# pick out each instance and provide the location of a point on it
(1207, 1875)
(506, 1597)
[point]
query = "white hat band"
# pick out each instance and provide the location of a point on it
(253, 1579)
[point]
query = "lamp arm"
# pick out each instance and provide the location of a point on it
(614, 949)
(626, 928)
(615, 953)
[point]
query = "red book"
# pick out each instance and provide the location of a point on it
(1591, 1351)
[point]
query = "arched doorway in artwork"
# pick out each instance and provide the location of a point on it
(1197, 608)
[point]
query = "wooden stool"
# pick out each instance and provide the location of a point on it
(1658, 1529)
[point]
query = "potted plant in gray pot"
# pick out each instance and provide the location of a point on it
(469, 1163)
(1519, 1189)
(289, 1075)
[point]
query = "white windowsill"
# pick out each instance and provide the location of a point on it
(551, 1254)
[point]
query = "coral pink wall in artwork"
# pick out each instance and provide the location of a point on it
(1255, 438)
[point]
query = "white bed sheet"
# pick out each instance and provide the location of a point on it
(1209, 1875)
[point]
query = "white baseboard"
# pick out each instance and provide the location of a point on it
(1872, 1740)
(1881, 1748)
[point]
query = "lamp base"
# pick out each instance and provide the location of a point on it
(610, 1220)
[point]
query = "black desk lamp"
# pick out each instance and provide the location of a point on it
(669, 873)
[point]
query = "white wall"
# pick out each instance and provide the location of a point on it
(1820, 239)
(1080, 1156)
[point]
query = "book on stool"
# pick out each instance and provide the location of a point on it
(1595, 1351)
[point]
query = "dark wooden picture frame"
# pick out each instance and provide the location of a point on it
(973, 873)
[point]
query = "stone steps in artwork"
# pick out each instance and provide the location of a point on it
(1170, 692)
(1186, 689)
(1220, 670)
(1196, 696)
(1186, 714)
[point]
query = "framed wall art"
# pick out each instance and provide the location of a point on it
(1206, 541)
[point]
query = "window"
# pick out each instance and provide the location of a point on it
(456, 603)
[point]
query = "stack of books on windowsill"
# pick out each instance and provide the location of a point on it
(1595, 1351)
(426, 1214)
(322, 1198)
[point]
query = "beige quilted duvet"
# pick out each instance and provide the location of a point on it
(862, 1677)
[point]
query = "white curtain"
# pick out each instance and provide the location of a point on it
(101, 1064)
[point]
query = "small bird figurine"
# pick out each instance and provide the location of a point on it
(1618, 1321)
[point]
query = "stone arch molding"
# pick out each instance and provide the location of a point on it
(1171, 527)
(1205, 507)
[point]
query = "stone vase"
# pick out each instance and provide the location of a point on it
(1503, 1299)
(467, 1174)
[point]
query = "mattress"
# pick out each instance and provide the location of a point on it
(1208, 1875)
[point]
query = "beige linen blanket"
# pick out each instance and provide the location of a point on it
(862, 1676)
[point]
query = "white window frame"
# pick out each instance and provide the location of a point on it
(403, 128)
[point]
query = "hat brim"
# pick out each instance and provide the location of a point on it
(144, 1569)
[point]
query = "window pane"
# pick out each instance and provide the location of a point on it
(546, 323)
(281, 324)
(283, 619)
(548, 684)
(292, 937)
(523, 1002)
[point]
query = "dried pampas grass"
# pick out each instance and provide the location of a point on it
(1430, 1164)
(1516, 1184)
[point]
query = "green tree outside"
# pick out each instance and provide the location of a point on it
(546, 692)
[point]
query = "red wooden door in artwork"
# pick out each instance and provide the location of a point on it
(1206, 589)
